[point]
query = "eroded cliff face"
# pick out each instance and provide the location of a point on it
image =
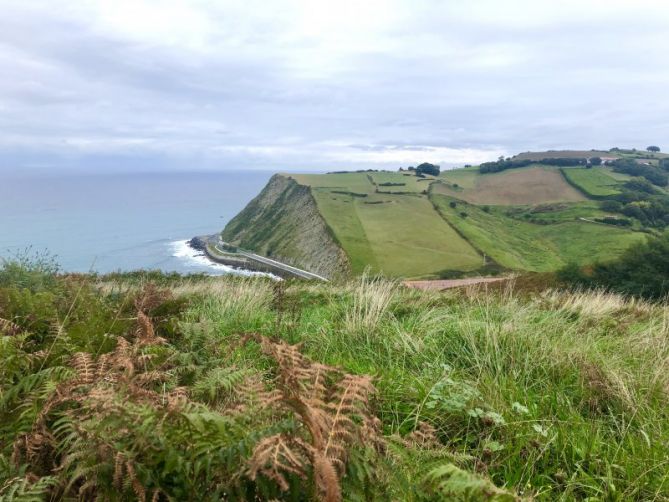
(283, 222)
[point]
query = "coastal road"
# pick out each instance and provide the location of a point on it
(303, 274)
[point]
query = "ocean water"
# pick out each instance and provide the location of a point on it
(110, 222)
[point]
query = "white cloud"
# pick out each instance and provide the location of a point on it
(296, 82)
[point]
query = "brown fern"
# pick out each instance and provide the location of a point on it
(9, 328)
(93, 392)
(334, 409)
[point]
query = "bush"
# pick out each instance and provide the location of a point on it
(653, 174)
(452, 204)
(502, 164)
(28, 269)
(611, 206)
(643, 271)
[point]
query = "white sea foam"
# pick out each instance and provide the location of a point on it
(194, 258)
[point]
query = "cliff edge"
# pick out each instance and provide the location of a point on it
(283, 222)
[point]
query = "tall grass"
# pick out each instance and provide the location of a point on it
(226, 387)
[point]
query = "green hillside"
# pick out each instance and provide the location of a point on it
(536, 217)
(516, 244)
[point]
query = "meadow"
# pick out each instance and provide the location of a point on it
(595, 181)
(388, 231)
(152, 387)
(517, 244)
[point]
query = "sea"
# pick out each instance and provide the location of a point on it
(123, 221)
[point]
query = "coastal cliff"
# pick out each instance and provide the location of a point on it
(283, 222)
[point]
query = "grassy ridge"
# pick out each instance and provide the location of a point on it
(155, 392)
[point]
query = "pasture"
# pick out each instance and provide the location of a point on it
(595, 181)
(530, 185)
(520, 245)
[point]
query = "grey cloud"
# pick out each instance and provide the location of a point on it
(436, 83)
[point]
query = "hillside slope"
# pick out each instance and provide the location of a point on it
(284, 222)
(398, 224)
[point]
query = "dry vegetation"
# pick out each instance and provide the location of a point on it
(244, 389)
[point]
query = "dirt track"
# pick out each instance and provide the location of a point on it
(440, 284)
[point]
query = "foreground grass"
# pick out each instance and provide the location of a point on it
(191, 389)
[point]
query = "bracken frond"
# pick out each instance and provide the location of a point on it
(333, 407)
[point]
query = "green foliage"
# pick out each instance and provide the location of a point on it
(630, 166)
(29, 270)
(427, 168)
(642, 271)
(453, 483)
(479, 396)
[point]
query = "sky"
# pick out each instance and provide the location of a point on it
(319, 85)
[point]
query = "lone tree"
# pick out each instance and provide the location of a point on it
(427, 168)
(653, 149)
(596, 161)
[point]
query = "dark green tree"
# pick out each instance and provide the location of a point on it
(427, 168)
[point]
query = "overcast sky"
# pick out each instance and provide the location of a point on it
(267, 84)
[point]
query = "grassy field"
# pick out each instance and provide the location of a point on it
(517, 244)
(148, 387)
(409, 240)
(595, 181)
(387, 232)
(530, 185)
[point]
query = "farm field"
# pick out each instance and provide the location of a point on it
(521, 245)
(409, 227)
(386, 232)
(529, 185)
(595, 181)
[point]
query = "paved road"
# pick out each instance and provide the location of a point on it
(304, 274)
(438, 285)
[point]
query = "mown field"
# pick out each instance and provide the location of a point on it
(399, 235)
(528, 185)
(149, 387)
(518, 244)
(595, 181)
